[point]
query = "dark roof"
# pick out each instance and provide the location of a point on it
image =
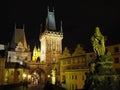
(18, 36)
(50, 21)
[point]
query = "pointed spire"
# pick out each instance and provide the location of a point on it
(61, 27)
(50, 21)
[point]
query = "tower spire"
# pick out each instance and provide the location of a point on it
(50, 20)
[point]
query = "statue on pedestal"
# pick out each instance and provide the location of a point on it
(101, 74)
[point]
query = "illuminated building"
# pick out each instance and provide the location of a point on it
(51, 40)
(51, 44)
(50, 51)
(19, 51)
(73, 68)
(18, 56)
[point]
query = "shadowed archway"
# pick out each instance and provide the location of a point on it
(37, 76)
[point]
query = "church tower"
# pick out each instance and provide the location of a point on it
(51, 40)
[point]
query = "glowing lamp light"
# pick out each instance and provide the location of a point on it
(34, 73)
(48, 76)
(24, 75)
(29, 77)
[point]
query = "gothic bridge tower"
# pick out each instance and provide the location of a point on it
(47, 67)
(51, 40)
(51, 44)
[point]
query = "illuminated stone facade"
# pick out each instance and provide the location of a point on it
(13, 73)
(50, 51)
(18, 56)
(51, 45)
(73, 68)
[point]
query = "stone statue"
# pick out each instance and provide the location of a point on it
(98, 42)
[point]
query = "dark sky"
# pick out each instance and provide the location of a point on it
(80, 17)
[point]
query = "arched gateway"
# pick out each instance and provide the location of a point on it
(37, 73)
(37, 76)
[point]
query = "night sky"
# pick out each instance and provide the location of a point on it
(79, 17)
